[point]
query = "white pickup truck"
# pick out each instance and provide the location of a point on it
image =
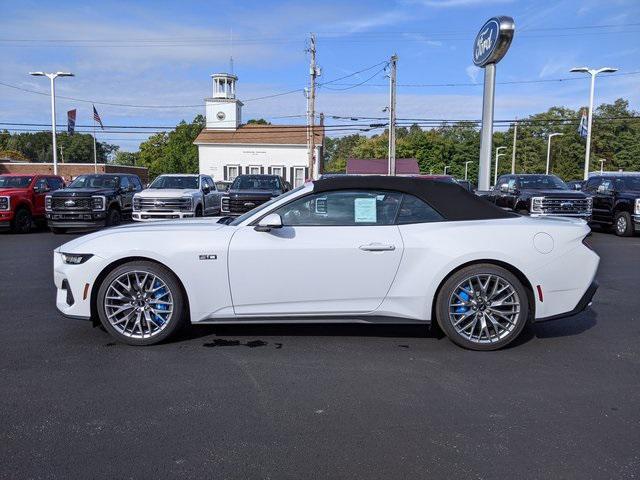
(175, 196)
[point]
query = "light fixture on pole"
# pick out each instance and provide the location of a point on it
(593, 73)
(52, 77)
(495, 173)
(466, 165)
(445, 168)
(551, 135)
(602, 160)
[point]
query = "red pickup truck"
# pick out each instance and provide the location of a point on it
(22, 199)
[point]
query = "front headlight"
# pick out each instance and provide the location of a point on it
(98, 202)
(536, 204)
(47, 203)
(4, 203)
(75, 258)
(636, 209)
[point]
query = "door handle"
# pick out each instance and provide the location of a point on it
(377, 247)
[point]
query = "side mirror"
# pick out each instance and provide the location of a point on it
(206, 189)
(504, 188)
(273, 220)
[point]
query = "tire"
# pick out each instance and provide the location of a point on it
(199, 211)
(57, 230)
(622, 225)
(22, 221)
(474, 320)
(523, 212)
(114, 217)
(133, 320)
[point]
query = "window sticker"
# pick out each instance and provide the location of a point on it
(365, 210)
(321, 206)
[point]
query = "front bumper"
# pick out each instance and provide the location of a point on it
(636, 222)
(583, 216)
(583, 303)
(6, 217)
(74, 285)
(76, 220)
(142, 216)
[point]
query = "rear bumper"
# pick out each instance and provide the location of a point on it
(583, 303)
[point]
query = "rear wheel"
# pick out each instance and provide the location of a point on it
(141, 303)
(113, 217)
(22, 221)
(482, 307)
(622, 225)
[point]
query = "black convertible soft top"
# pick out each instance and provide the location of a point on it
(451, 200)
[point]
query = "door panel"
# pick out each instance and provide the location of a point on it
(313, 269)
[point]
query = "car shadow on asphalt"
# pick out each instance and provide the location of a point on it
(564, 327)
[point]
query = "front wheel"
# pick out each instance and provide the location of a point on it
(22, 222)
(482, 307)
(622, 224)
(141, 303)
(113, 217)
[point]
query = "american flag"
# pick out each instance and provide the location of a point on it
(96, 117)
(582, 128)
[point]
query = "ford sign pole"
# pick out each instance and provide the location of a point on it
(491, 44)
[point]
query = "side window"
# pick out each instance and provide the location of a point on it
(211, 184)
(41, 184)
(124, 183)
(511, 183)
(606, 184)
(344, 208)
(54, 183)
(415, 210)
(500, 181)
(592, 184)
(135, 181)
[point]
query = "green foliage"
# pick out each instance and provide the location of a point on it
(128, 159)
(172, 152)
(36, 147)
(618, 141)
(259, 121)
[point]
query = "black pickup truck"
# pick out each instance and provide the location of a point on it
(540, 195)
(248, 191)
(616, 201)
(92, 201)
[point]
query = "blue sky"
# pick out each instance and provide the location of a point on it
(162, 53)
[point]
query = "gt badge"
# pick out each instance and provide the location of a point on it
(208, 257)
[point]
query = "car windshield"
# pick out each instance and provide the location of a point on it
(94, 181)
(14, 182)
(172, 181)
(541, 182)
(632, 183)
(255, 182)
(243, 217)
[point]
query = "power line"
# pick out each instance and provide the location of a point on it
(357, 84)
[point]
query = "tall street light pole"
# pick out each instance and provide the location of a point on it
(52, 77)
(593, 73)
(446, 167)
(602, 160)
(551, 135)
(466, 166)
(495, 173)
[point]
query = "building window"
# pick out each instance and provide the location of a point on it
(277, 171)
(298, 176)
(232, 172)
(253, 170)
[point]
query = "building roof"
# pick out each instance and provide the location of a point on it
(380, 166)
(260, 134)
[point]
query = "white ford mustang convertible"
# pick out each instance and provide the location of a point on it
(343, 249)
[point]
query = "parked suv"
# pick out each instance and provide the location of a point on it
(248, 191)
(539, 195)
(616, 201)
(177, 196)
(22, 199)
(95, 200)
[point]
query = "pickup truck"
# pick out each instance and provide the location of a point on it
(248, 191)
(539, 195)
(92, 201)
(177, 196)
(616, 201)
(22, 199)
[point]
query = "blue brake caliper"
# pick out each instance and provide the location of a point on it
(159, 306)
(464, 296)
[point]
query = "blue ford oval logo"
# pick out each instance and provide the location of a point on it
(493, 41)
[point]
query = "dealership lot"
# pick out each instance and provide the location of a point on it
(311, 401)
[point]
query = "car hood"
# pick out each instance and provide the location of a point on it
(11, 191)
(167, 192)
(150, 232)
(82, 192)
(554, 193)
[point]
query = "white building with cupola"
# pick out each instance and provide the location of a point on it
(228, 148)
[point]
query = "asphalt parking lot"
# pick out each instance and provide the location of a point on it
(316, 401)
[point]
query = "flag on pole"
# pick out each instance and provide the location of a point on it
(71, 121)
(582, 128)
(96, 117)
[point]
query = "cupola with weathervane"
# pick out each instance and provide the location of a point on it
(224, 111)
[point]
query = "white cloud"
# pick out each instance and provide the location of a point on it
(472, 72)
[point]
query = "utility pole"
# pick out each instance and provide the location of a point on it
(313, 73)
(513, 151)
(466, 167)
(392, 114)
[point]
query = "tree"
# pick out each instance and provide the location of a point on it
(126, 158)
(259, 121)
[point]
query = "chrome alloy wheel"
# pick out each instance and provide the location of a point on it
(621, 225)
(484, 308)
(138, 304)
